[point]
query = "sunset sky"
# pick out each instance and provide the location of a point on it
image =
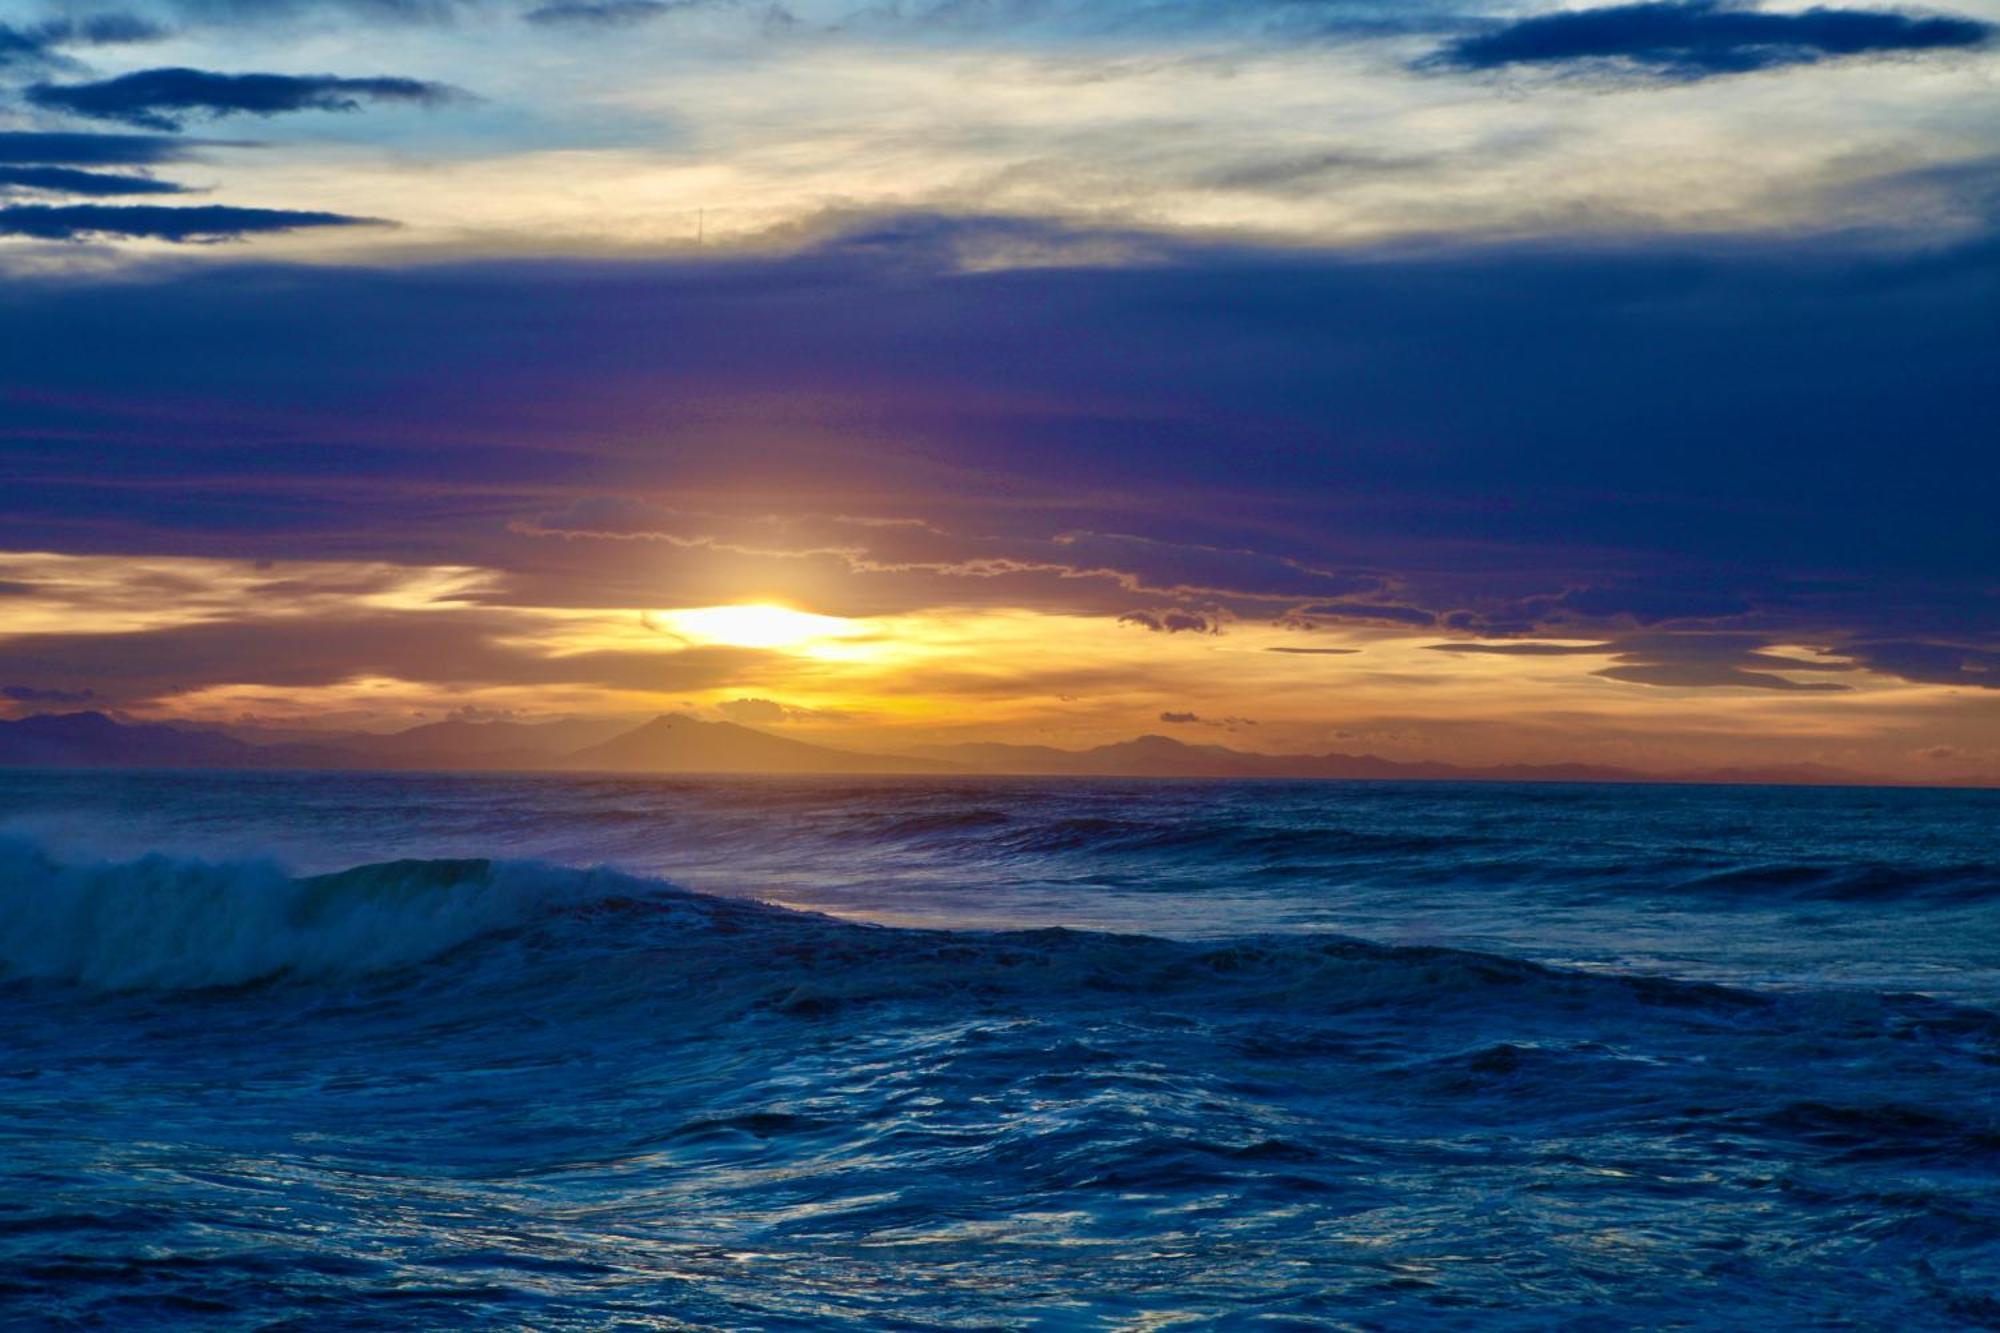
(1480, 382)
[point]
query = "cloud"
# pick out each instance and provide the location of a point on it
(1653, 603)
(1934, 663)
(68, 180)
(1122, 564)
(22, 48)
(86, 149)
(769, 712)
(609, 517)
(1196, 720)
(161, 99)
(1703, 675)
(1171, 622)
(29, 694)
(107, 30)
(1316, 652)
(1307, 173)
(753, 710)
(1001, 409)
(602, 13)
(1695, 39)
(1367, 613)
(1679, 661)
(201, 224)
(41, 45)
(1526, 649)
(449, 647)
(234, 12)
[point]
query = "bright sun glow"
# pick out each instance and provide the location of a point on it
(759, 626)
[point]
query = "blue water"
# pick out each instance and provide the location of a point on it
(339, 1051)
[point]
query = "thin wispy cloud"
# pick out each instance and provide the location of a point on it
(164, 99)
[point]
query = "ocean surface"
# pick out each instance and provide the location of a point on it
(341, 1051)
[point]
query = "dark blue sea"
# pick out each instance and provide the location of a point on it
(341, 1051)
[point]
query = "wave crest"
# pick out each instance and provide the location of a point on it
(182, 923)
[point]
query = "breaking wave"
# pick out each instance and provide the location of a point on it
(183, 923)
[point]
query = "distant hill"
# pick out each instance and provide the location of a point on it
(486, 745)
(676, 743)
(1163, 756)
(94, 740)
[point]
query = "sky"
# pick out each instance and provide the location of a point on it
(1454, 380)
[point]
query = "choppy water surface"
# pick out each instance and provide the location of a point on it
(348, 1051)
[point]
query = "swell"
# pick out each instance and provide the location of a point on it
(1473, 858)
(987, 831)
(576, 944)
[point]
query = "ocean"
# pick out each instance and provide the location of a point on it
(331, 1051)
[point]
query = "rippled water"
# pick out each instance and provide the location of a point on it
(1123, 1055)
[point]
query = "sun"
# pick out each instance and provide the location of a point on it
(759, 625)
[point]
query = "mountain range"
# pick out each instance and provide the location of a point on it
(677, 743)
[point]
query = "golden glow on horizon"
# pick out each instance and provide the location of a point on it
(759, 625)
(891, 680)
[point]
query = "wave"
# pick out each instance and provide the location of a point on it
(575, 946)
(992, 832)
(1877, 882)
(988, 836)
(187, 923)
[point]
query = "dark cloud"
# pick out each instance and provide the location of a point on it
(1701, 38)
(91, 150)
(200, 224)
(1366, 613)
(602, 13)
(23, 48)
(1527, 649)
(1688, 661)
(30, 694)
(1650, 604)
(1935, 663)
(41, 45)
(1482, 442)
(109, 30)
(1196, 720)
(456, 648)
(1171, 622)
(69, 180)
(1703, 675)
(161, 99)
(614, 517)
(1316, 652)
